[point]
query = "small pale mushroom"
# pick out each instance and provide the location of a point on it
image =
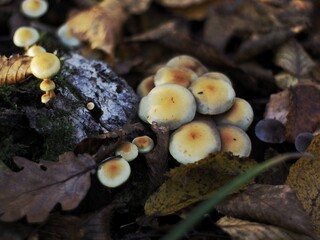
(144, 143)
(45, 65)
(35, 50)
(90, 106)
(213, 96)
(234, 140)
(194, 141)
(46, 97)
(47, 85)
(240, 115)
(189, 62)
(270, 130)
(114, 172)
(66, 37)
(145, 86)
(302, 141)
(169, 105)
(25, 37)
(34, 8)
(176, 75)
(127, 151)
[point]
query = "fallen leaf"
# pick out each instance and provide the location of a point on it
(136, 7)
(14, 69)
(100, 25)
(292, 57)
(34, 191)
(192, 183)
(245, 230)
(304, 179)
(271, 204)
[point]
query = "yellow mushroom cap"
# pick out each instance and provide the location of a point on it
(240, 115)
(213, 96)
(66, 37)
(90, 106)
(47, 85)
(234, 140)
(169, 105)
(188, 62)
(145, 86)
(177, 75)
(25, 36)
(217, 75)
(45, 65)
(114, 172)
(194, 141)
(34, 8)
(35, 50)
(127, 151)
(45, 98)
(144, 143)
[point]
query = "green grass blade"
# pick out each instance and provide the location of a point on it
(194, 216)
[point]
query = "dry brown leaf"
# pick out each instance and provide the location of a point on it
(245, 230)
(136, 7)
(14, 69)
(100, 25)
(275, 205)
(39, 187)
(304, 179)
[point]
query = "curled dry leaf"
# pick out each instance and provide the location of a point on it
(194, 182)
(275, 205)
(39, 187)
(14, 69)
(100, 25)
(304, 179)
(241, 229)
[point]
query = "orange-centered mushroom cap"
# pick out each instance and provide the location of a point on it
(45, 65)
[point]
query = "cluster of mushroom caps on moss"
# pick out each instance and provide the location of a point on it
(44, 65)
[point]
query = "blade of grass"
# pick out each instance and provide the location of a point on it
(222, 193)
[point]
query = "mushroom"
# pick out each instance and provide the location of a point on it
(145, 86)
(45, 65)
(177, 75)
(25, 37)
(35, 50)
(270, 131)
(188, 62)
(45, 98)
(34, 8)
(302, 141)
(169, 105)
(144, 143)
(234, 140)
(90, 106)
(66, 37)
(47, 85)
(213, 96)
(194, 141)
(114, 172)
(217, 75)
(127, 151)
(240, 115)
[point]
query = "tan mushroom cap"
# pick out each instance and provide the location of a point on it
(47, 85)
(90, 106)
(45, 65)
(144, 143)
(34, 8)
(145, 86)
(127, 151)
(194, 141)
(169, 105)
(35, 50)
(213, 96)
(217, 76)
(114, 172)
(240, 115)
(234, 140)
(45, 98)
(176, 75)
(66, 37)
(25, 36)
(188, 62)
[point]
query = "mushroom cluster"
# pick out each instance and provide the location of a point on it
(199, 107)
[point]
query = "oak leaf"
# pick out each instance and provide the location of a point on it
(34, 191)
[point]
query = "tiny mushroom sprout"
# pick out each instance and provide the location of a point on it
(127, 151)
(188, 62)
(177, 75)
(45, 65)
(240, 115)
(35, 50)
(45, 98)
(234, 140)
(25, 37)
(34, 8)
(90, 106)
(114, 172)
(213, 96)
(169, 105)
(47, 85)
(66, 37)
(144, 143)
(302, 141)
(194, 141)
(145, 86)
